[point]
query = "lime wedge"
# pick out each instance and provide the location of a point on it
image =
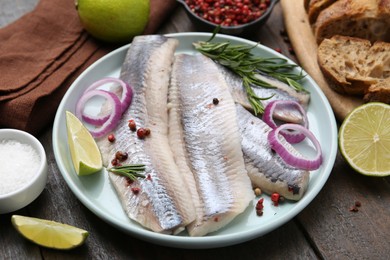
(364, 139)
(86, 156)
(48, 233)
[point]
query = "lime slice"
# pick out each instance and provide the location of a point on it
(86, 156)
(48, 233)
(364, 139)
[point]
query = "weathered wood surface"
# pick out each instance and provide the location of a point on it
(326, 229)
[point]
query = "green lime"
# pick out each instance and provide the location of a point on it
(49, 233)
(85, 153)
(364, 139)
(114, 20)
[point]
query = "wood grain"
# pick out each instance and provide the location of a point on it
(305, 47)
(325, 229)
(338, 232)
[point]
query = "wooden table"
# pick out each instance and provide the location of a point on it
(326, 229)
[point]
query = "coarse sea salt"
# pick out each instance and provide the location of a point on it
(19, 163)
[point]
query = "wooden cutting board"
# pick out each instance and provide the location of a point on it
(305, 47)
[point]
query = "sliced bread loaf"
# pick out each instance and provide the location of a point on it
(352, 65)
(368, 19)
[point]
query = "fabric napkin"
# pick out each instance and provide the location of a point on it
(42, 53)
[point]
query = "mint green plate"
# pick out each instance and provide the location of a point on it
(97, 194)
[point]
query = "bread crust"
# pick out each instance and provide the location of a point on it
(379, 92)
(369, 19)
(306, 4)
(315, 7)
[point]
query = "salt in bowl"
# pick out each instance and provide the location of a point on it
(23, 169)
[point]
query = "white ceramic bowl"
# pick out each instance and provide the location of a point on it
(27, 193)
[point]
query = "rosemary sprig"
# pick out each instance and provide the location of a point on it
(240, 60)
(132, 171)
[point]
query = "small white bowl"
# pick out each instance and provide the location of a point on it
(24, 195)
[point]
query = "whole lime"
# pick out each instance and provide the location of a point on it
(114, 20)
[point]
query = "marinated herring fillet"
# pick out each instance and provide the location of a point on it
(161, 202)
(265, 168)
(205, 135)
(281, 91)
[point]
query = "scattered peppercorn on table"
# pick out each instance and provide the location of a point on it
(349, 218)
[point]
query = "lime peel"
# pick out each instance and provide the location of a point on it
(364, 139)
(85, 153)
(49, 233)
(114, 20)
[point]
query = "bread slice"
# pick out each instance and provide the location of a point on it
(379, 92)
(378, 61)
(352, 65)
(315, 7)
(367, 19)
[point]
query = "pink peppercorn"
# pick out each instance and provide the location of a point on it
(275, 198)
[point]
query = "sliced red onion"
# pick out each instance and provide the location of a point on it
(127, 92)
(287, 156)
(114, 116)
(125, 100)
(94, 120)
(291, 136)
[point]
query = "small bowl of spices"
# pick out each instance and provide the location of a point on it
(233, 17)
(23, 169)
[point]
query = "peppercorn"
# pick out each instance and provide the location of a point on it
(121, 156)
(259, 204)
(353, 209)
(215, 101)
(111, 138)
(135, 190)
(147, 131)
(283, 32)
(128, 181)
(259, 207)
(141, 133)
(257, 191)
(275, 198)
(114, 162)
(132, 125)
(227, 12)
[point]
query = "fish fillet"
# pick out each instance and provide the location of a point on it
(281, 92)
(162, 203)
(205, 139)
(265, 168)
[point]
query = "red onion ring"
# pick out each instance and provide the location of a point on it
(127, 92)
(291, 136)
(125, 100)
(291, 159)
(113, 118)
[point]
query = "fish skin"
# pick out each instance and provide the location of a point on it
(281, 92)
(208, 142)
(265, 168)
(163, 204)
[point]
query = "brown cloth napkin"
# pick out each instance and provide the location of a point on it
(42, 53)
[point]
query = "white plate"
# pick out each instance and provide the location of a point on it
(97, 194)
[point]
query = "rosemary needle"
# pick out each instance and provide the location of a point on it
(129, 170)
(240, 60)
